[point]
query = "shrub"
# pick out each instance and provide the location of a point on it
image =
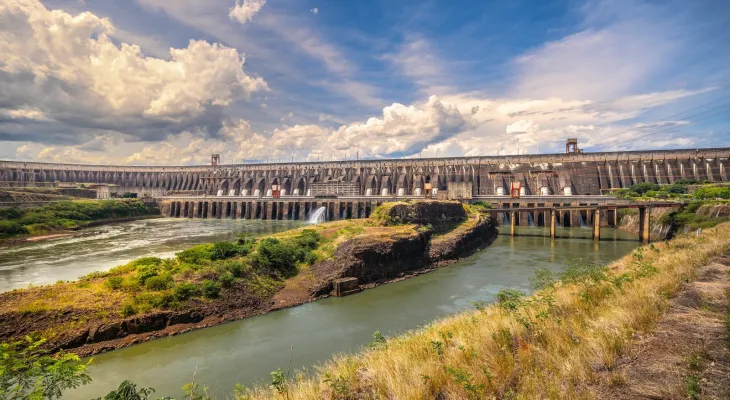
(675, 188)
(223, 250)
(277, 257)
(236, 268)
(712, 193)
(308, 239)
(227, 280)
(11, 213)
(153, 261)
(128, 391)
(114, 282)
(128, 310)
(159, 282)
(27, 371)
(196, 254)
(642, 188)
(12, 228)
(185, 290)
(130, 284)
(146, 272)
(211, 289)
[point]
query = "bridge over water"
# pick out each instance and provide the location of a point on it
(553, 211)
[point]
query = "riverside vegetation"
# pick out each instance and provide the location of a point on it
(219, 281)
(66, 215)
(556, 343)
(563, 341)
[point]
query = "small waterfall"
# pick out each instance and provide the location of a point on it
(505, 219)
(318, 215)
(530, 220)
(582, 221)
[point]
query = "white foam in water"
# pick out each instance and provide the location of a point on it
(318, 215)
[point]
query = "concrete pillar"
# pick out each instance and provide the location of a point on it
(613, 218)
(644, 231)
(512, 226)
(239, 210)
(194, 210)
(269, 210)
(553, 223)
(337, 213)
(597, 224)
(165, 208)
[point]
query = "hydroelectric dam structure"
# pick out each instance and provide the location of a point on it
(352, 189)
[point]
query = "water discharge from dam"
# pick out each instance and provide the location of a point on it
(246, 351)
(318, 215)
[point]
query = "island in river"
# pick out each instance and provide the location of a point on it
(214, 283)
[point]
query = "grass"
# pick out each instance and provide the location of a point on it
(552, 344)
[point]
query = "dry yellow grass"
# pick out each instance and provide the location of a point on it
(489, 353)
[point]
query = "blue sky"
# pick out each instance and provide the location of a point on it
(321, 79)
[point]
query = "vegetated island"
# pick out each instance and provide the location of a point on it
(19, 224)
(213, 283)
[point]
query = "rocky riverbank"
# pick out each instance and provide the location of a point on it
(375, 252)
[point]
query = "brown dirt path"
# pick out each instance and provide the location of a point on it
(687, 356)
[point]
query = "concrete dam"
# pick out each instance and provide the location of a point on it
(573, 174)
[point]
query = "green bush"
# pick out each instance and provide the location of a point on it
(211, 289)
(12, 228)
(146, 272)
(159, 282)
(130, 284)
(196, 254)
(227, 280)
(223, 250)
(642, 188)
(153, 261)
(277, 257)
(675, 188)
(114, 282)
(185, 290)
(235, 267)
(712, 193)
(128, 310)
(11, 213)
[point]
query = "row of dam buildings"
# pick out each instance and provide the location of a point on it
(574, 174)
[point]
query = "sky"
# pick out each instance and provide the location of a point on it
(161, 82)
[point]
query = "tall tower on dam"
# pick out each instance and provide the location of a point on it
(572, 173)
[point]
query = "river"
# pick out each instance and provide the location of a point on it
(246, 351)
(103, 247)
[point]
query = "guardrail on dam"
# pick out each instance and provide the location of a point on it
(543, 174)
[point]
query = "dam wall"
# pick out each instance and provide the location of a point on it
(543, 174)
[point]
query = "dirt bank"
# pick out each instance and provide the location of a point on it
(383, 254)
(688, 354)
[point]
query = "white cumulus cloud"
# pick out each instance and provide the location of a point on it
(244, 10)
(64, 68)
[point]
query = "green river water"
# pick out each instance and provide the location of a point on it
(246, 351)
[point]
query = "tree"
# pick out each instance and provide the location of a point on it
(28, 372)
